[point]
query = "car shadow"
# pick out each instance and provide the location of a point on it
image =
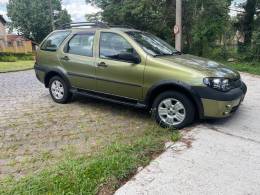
(107, 106)
(126, 110)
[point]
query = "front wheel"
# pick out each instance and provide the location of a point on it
(173, 110)
(59, 90)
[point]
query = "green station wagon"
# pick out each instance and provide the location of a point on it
(131, 67)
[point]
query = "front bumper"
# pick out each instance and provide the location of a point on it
(220, 109)
(218, 104)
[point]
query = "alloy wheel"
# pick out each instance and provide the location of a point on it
(171, 111)
(57, 89)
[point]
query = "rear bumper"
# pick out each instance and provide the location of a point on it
(218, 104)
(39, 72)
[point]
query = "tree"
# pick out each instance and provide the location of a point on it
(155, 16)
(32, 18)
(248, 21)
(256, 33)
(62, 18)
(96, 17)
(203, 21)
(246, 25)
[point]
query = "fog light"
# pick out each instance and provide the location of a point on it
(228, 106)
(226, 113)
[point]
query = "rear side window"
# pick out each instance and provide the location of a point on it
(81, 44)
(53, 42)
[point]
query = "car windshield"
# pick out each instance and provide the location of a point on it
(152, 44)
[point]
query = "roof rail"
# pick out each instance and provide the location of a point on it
(93, 24)
(119, 26)
(85, 24)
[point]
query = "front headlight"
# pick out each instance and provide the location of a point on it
(221, 84)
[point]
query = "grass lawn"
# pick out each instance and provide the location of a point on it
(250, 67)
(15, 66)
(100, 172)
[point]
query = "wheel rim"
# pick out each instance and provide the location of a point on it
(57, 90)
(171, 111)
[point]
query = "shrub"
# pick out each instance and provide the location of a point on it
(8, 58)
(215, 53)
(26, 57)
(4, 57)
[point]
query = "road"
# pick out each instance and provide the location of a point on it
(215, 157)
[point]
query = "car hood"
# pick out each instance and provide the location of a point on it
(205, 66)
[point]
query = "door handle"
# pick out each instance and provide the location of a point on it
(65, 58)
(102, 64)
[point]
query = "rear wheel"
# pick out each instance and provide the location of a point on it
(173, 110)
(59, 90)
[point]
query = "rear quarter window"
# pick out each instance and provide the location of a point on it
(81, 44)
(53, 42)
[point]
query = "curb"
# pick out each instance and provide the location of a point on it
(16, 70)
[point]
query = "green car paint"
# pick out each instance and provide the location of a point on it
(141, 82)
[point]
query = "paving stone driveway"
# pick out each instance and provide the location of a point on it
(34, 130)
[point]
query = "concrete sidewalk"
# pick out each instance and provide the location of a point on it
(219, 157)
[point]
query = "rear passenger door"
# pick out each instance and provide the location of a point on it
(78, 60)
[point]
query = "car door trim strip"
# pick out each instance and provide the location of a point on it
(102, 79)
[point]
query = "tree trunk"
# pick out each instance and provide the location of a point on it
(248, 21)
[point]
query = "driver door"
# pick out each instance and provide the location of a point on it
(114, 76)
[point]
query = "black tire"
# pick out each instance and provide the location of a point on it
(187, 104)
(67, 95)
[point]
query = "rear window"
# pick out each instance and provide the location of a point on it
(53, 42)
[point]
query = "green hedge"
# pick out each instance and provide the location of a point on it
(13, 57)
(8, 58)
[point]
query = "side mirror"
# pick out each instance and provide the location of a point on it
(129, 57)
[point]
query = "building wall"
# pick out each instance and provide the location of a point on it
(25, 48)
(2, 32)
(3, 37)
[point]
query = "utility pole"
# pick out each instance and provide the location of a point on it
(51, 12)
(178, 26)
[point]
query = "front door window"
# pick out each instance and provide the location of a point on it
(112, 45)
